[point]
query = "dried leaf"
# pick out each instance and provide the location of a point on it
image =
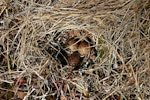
(62, 97)
(20, 81)
(21, 94)
(131, 81)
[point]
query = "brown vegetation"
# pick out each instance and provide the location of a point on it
(35, 53)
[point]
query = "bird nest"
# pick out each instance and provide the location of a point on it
(74, 49)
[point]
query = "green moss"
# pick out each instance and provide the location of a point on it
(101, 53)
(10, 95)
(100, 41)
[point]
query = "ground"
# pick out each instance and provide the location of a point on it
(34, 51)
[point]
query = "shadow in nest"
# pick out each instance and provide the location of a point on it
(74, 48)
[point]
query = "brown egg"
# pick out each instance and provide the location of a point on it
(73, 33)
(72, 44)
(84, 48)
(74, 59)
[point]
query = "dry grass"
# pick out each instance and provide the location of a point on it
(119, 28)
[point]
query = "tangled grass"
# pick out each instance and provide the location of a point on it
(121, 33)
